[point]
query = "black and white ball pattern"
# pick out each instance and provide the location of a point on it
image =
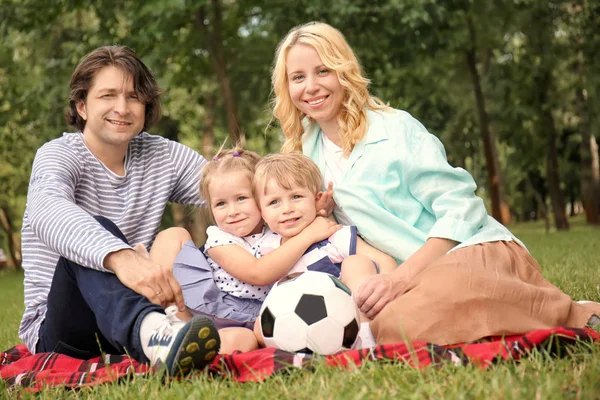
(310, 312)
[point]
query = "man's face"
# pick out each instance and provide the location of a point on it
(112, 111)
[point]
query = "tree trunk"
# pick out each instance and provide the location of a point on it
(500, 209)
(541, 204)
(540, 40)
(552, 174)
(546, 125)
(14, 251)
(214, 45)
(590, 165)
(591, 185)
(182, 214)
(208, 136)
(201, 215)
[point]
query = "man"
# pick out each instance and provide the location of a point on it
(92, 193)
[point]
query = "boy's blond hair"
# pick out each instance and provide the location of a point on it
(227, 160)
(290, 170)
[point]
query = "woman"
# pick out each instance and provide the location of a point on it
(463, 276)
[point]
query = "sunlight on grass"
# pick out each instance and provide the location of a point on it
(569, 259)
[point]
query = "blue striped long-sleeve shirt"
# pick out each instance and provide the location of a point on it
(69, 186)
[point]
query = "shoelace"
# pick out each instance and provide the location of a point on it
(171, 312)
(164, 332)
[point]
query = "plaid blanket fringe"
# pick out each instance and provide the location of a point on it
(34, 372)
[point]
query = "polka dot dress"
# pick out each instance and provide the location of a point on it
(257, 245)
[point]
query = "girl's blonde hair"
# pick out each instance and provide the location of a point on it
(336, 54)
(290, 171)
(227, 160)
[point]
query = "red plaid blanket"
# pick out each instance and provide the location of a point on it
(19, 367)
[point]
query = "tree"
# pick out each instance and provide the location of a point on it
(500, 209)
(539, 38)
(582, 19)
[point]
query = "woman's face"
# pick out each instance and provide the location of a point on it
(315, 89)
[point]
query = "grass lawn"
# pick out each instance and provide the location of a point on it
(570, 260)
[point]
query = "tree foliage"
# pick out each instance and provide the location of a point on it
(535, 62)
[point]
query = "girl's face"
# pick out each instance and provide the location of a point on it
(232, 204)
(315, 90)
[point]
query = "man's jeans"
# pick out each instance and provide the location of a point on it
(92, 312)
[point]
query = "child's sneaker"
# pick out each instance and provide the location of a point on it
(180, 346)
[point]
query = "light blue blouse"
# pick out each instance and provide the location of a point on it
(400, 190)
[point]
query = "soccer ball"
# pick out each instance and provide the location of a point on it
(310, 312)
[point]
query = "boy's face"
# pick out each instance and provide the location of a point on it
(287, 212)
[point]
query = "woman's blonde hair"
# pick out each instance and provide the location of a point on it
(337, 55)
(227, 160)
(290, 171)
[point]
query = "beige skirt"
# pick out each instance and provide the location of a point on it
(483, 290)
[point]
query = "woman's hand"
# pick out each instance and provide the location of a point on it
(325, 202)
(374, 293)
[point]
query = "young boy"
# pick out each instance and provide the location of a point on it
(287, 188)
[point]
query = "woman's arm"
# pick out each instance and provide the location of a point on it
(385, 263)
(433, 249)
(273, 266)
(378, 290)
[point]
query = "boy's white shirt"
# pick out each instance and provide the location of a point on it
(340, 245)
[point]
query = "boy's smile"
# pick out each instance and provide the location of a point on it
(287, 211)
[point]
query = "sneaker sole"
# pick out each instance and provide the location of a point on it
(197, 346)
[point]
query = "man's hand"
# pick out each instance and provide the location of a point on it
(145, 277)
(374, 293)
(325, 202)
(320, 229)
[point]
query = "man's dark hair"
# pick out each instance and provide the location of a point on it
(122, 57)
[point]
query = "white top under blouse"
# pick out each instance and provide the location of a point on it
(336, 166)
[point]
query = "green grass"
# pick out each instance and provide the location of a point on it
(569, 259)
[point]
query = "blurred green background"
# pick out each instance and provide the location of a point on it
(510, 87)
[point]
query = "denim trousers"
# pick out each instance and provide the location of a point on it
(91, 312)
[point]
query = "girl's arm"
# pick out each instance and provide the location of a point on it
(274, 265)
(385, 263)
(378, 290)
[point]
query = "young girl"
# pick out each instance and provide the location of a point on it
(463, 275)
(287, 189)
(243, 257)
